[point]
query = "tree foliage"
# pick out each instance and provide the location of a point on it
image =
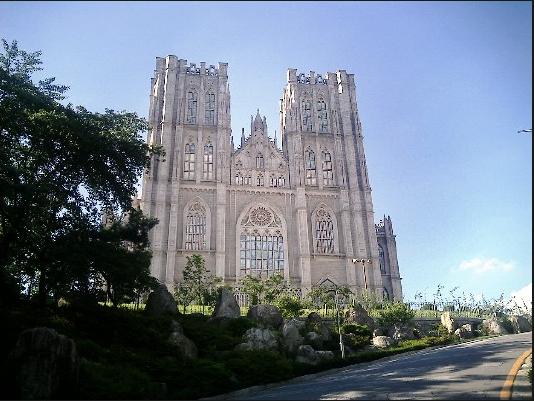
(60, 167)
(394, 313)
(198, 284)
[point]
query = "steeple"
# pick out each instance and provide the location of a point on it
(258, 124)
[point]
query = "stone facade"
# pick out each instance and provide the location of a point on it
(304, 211)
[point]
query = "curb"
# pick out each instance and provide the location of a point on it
(507, 389)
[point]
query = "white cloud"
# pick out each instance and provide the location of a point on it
(478, 265)
(523, 297)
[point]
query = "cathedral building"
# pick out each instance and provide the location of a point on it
(304, 211)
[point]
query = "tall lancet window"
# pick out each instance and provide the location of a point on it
(191, 112)
(324, 235)
(195, 233)
(209, 109)
(328, 178)
(310, 167)
(322, 116)
(189, 161)
(381, 259)
(259, 161)
(306, 110)
(208, 162)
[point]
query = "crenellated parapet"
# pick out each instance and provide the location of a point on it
(202, 69)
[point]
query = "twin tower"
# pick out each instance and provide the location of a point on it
(304, 212)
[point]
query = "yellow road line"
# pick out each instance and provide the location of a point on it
(507, 388)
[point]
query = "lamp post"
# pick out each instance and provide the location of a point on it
(363, 261)
(337, 301)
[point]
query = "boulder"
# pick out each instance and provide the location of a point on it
(314, 339)
(259, 339)
(520, 324)
(377, 332)
(267, 316)
(185, 347)
(291, 338)
(401, 332)
(359, 315)
(465, 331)
(307, 354)
(45, 365)
(226, 305)
(314, 322)
(448, 322)
(494, 327)
(383, 341)
(160, 302)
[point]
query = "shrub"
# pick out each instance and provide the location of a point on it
(356, 335)
(237, 327)
(393, 313)
(289, 306)
(258, 367)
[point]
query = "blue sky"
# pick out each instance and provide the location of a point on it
(442, 89)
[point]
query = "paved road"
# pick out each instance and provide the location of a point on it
(474, 370)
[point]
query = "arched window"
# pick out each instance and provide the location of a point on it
(310, 166)
(208, 162)
(239, 179)
(306, 110)
(322, 116)
(272, 181)
(259, 161)
(324, 240)
(189, 161)
(261, 237)
(327, 166)
(381, 259)
(260, 180)
(247, 180)
(281, 181)
(209, 109)
(195, 232)
(386, 294)
(191, 114)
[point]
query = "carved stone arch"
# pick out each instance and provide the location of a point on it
(260, 218)
(196, 206)
(320, 218)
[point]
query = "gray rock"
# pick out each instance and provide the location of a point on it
(315, 323)
(495, 327)
(46, 365)
(401, 332)
(359, 315)
(520, 324)
(315, 339)
(448, 322)
(267, 316)
(383, 341)
(184, 346)
(325, 355)
(226, 305)
(307, 354)
(160, 302)
(377, 332)
(259, 339)
(291, 338)
(465, 331)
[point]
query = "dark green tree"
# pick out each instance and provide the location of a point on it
(60, 167)
(199, 284)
